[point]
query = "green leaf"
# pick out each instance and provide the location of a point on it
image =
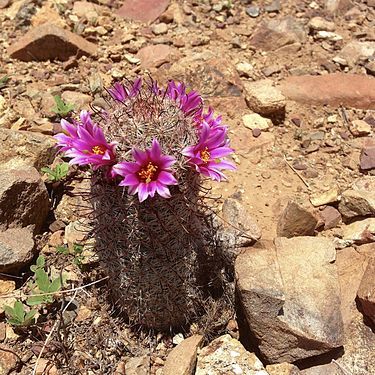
(8, 310)
(61, 108)
(62, 250)
(3, 81)
(55, 285)
(14, 322)
(19, 311)
(30, 316)
(41, 261)
(41, 279)
(35, 300)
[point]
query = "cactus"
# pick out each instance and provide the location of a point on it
(150, 152)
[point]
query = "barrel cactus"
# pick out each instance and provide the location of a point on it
(149, 152)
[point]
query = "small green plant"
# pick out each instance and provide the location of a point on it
(78, 256)
(43, 284)
(62, 250)
(58, 173)
(18, 316)
(4, 81)
(61, 108)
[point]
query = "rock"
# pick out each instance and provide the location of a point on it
(50, 42)
(20, 149)
(361, 231)
(47, 14)
(253, 11)
(360, 199)
(8, 360)
(328, 35)
(296, 220)
(77, 232)
(87, 10)
(244, 69)
(366, 291)
(159, 28)
(155, 55)
(328, 369)
(330, 217)
(143, 10)
(182, 359)
(370, 67)
(23, 199)
(350, 90)
(255, 121)
(264, 98)
(226, 355)
(79, 100)
(321, 198)
(367, 158)
(275, 34)
(355, 50)
(6, 287)
(338, 6)
(360, 128)
(320, 24)
(16, 249)
(138, 365)
(291, 297)
(283, 369)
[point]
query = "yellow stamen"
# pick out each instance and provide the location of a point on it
(147, 174)
(98, 150)
(205, 155)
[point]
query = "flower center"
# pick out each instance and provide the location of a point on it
(98, 150)
(147, 174)
(205, 155)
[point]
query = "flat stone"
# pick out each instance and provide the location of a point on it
(355, 50)
(360, 199)
(8, 360)
(77, 232)
(264, 98)
(321, 198)
(78, 99)
(226, 355)
(350, 90)
(50, 42)
(361, 231)
(142, 10)
(360, 128)
(367, 158)
(321, 24)
(366, 291)
(21, 149)
(182, 359)
(275, 285)
(155, 55)
(331, 217)
(254, 121)
(23, 199)
(16, 249)
(87, 10)
(296, 220)
(274, 34)
(283, 369)
(338, 6)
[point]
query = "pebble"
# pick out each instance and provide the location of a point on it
(253, 11)
(255, 121)
(256, 132)
(360, 128)
(160, 28)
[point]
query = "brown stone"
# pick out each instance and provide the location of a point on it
(143, 10)
(296, 220)
(366, 291)
(334, 89)
(182, 359)
(282, 369)
(8, 360)
(50, 42)
(154, 56)
(331, 217)
(367, 158)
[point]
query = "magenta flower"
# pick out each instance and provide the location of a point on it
(206, 155)
(121, 92)
(208, 118)
(189, 103)
(149, 174)
(85, 143)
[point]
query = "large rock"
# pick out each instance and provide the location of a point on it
(291, 297)
(50, 42)
(23, 199)
(355, 50)
(264, 98)
(367, 158)
(182, 359)
(20, 149)
(361, 231)
(16, 249)
(275, 34)
(366, 291)
(296, 220)
(360, 199)
(143, 10)
(226, 355)
(156, 55)
(350, 90)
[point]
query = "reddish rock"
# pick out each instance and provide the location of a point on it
(367, 158)
(8, 360)
(143, 10)
(350, 90)
(156, 55)
(50, 42)
(331, 217)
(366, 291)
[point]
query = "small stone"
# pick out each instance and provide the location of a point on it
(331, 217)
(275, 6)
(355, 51)
(77, 232)
(370, 67)
(50, 42)
(178, 339)
(361, 231)
(255, 121)
(326, 197)
(138, 365)
(56, 239)
(367, 158)
(8, 360)
(159, 28)
(366, 291)
(244, 69)
(143, 10)
(360, 128)
(253, 11)
(78, 99)
(84, 313)
(320, 24)
(154, 56)
(296, 220)
(181, 360)
(256, 132)
(283, 369)
(264, 98)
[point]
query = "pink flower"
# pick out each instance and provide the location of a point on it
(189, 103)
(209, 118)
(121, 92)
(206, 155)
(149, 174)
(85, 143)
